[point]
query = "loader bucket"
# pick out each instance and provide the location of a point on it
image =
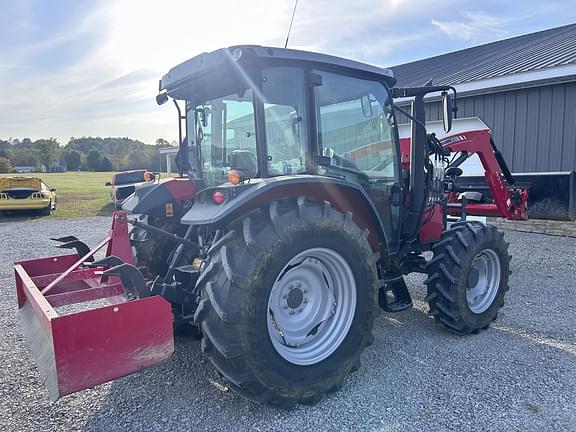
(81, 328)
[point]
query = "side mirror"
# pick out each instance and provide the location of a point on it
(366, 106)
(52, 190)
(447, 111)
(107, 184)
(204, 116)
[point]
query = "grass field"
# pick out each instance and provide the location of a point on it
(79, 194)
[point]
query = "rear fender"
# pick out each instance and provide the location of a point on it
(168, 199)
(240, 199)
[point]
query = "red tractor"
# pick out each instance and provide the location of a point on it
(299, 212)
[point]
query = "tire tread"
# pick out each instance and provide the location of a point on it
(225, 279)
(448, 268)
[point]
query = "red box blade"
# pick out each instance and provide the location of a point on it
(83, 349)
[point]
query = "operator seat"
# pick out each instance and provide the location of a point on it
(244, 161)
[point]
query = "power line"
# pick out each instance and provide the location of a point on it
(291, 21)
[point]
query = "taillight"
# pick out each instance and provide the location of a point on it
(218, 197)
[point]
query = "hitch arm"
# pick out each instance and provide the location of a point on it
(161, 233)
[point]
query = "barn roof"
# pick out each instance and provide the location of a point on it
(518, 57)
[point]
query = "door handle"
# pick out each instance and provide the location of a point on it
(396, 195)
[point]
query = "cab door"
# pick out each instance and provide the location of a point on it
(356, 131)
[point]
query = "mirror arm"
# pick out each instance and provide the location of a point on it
(181, 144)
(401, 92)
(407, 114)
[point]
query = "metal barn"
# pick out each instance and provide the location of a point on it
(524, 89)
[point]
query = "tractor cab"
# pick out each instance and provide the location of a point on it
(253, 114)
(266, 113)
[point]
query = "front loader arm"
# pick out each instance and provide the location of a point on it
(508, 201)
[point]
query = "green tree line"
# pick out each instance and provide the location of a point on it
(85, 154)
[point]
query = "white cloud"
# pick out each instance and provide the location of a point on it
(474, 25)
(104, 92)
(160, 34)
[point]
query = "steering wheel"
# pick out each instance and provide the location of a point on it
(338, 160)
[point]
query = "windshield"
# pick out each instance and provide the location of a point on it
(226, 133)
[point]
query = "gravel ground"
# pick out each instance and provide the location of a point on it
(518, 375)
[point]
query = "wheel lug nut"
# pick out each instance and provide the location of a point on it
(285, 296)
(299, 309)
(285, 306)
(305, 290)
(298, 285)
(305, 300)
(292, 312)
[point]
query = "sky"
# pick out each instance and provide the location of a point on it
(72, 68)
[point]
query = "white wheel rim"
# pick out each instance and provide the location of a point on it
(311, 306)
(483, 281)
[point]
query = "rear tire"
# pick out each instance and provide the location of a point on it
(468, 277)
(46, 211)
(236, 311)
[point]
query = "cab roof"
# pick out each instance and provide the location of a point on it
(200, 64)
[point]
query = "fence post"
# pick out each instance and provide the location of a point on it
(572, 196)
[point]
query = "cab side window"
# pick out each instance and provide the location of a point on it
(354, 124)
(285, 119)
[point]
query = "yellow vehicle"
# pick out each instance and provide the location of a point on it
(26, 193)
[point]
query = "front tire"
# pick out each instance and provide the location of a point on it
(259, 331)
(468, 277)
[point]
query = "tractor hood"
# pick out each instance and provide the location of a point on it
(242, 59)
(7, 183)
